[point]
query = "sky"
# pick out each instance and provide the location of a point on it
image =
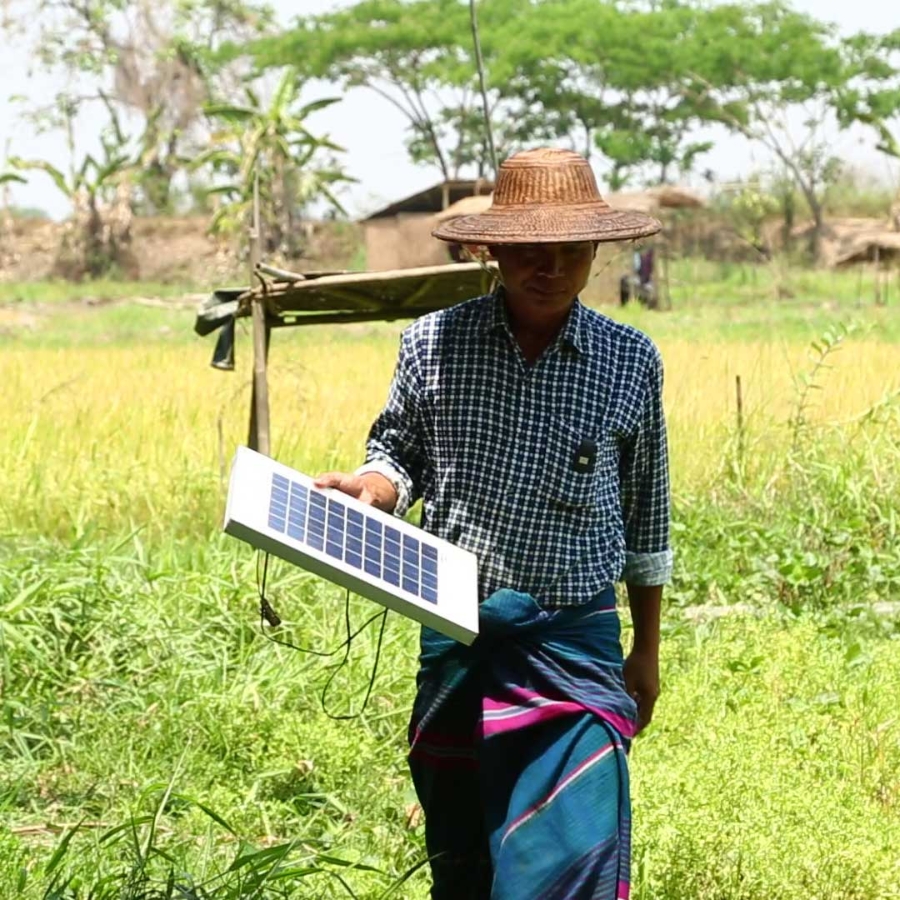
(372, 131)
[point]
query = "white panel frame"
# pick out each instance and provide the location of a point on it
(247, 518)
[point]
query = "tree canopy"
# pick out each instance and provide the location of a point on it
(630, 83)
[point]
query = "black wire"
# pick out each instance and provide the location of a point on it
(266, 613)
(335, 669)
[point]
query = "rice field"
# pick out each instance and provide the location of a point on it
(155, 744)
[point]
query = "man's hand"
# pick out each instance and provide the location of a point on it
(370, 488)
(641, 672)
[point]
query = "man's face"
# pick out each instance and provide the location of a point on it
(546, 275)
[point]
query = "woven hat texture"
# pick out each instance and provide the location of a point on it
(547, 196)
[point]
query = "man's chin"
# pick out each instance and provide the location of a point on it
(552, 295)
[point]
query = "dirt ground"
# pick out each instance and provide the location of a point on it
(171, 250)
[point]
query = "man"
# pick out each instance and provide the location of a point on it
(533, 430)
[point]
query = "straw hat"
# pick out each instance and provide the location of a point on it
(547, 196)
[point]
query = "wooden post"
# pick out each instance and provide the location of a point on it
(877, 275)
(667, 285)
(259, 437)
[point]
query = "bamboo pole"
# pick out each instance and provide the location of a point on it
(877, 275)
(259, 437)
(479, 62)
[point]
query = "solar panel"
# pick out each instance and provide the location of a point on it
(374, 554)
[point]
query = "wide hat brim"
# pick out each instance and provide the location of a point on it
(548, 224)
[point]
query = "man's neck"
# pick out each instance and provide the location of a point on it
(535, 329)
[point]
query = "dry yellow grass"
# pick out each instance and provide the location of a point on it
(112, 434)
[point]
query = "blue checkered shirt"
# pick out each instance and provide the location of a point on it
(492, 444)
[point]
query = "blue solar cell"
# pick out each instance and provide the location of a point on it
(429, 581)
(410, 560)
(278, 503)
(297, 511)
(429, 573)
(410, 548)
(315, 526)
(373, 548)
(334, 540)
(347, 534)
(410, 565)
(392, 539)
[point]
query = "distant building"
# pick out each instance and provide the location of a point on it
(399, 235)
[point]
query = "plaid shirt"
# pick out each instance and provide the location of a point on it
(554, 474)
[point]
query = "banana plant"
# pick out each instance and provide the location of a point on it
(86, 189)
(273, 142)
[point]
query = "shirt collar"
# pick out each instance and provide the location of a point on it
(574, 332)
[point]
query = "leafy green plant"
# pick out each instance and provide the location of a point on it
(100, 230)
(270, 147)
(808, 382)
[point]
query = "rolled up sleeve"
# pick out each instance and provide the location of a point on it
(644, 480)
(394, 445)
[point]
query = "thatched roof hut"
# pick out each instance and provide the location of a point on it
(398, 236)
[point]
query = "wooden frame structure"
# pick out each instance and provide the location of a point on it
(285, 299)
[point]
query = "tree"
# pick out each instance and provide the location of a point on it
(98, 235)
(270, 146)
(418, 57)
(872, 98)
(758, 69)
(617, 71)
(149, 64)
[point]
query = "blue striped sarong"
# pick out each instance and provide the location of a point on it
(518, 754)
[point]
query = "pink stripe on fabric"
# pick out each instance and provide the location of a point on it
(505, 710)
(512, 694)
(591, 761)
(529, 716)
(625, 727)
(623, 890)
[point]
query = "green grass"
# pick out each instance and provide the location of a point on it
(153, 741)
(30, 292)
(711, 301)
(771, 770)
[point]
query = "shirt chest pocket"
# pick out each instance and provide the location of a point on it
(579, 467)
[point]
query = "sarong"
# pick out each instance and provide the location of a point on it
(518, 754)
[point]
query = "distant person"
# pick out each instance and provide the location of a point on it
(639, 282)
(532, 427)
